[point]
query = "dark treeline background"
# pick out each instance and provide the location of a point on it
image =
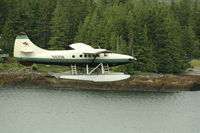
(163, 36)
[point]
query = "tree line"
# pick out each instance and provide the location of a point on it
(163, 36)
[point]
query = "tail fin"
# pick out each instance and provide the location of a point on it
(23, 46)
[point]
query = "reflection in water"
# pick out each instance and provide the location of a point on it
(36, 110)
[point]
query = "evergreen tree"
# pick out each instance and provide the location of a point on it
(183, 12)
(10, 27)
(42, 29)
(91, 28)
(60, 27)
(171, 56)
(67, 16)
(188, 42)
(196, 19)
(141, 45)
(3, 13)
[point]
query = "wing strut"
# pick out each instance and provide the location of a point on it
(104, 69)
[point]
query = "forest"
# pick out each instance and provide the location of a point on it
(163, 36)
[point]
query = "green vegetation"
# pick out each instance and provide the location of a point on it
(163, 36)
(12, 64)
(50, 68)
(195, 63)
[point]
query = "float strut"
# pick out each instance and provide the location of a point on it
(87, 69)
(102, 69)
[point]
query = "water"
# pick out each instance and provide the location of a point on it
(33, 110)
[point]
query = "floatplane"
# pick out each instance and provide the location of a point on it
(96, 62)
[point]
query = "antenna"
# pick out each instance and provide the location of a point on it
(99, 47)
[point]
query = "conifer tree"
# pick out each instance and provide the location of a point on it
(45, 10)
(59, 27)
(171, 55)
(67, 16)
(10, 27)
(188, 42)
(183, 12)
(3, 13)
(196, 19)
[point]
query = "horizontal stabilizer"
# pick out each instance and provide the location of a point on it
(27, 51)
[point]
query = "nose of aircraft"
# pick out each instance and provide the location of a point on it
(131, 58)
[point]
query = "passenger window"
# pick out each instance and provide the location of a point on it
(89, 55)
(73, 56)
(98, 55)
(94, 55)
(85, 55)
(81, 55)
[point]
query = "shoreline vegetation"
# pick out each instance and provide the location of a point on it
(164, 83)
(13, 74)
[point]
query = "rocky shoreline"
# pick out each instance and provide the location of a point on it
(165, 83)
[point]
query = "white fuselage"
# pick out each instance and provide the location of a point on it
(28, 53)
(68, 57)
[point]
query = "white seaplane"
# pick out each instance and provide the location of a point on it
(81, 55)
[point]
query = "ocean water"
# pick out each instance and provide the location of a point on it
(44, 110)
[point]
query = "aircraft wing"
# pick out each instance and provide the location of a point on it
(80, 46)
(86, 49)
(97, 51)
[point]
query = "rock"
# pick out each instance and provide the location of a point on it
(195, 87)
(165, 83)
(192, 71)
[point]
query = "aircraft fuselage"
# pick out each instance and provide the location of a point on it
(70, 57)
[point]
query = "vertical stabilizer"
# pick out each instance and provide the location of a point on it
(23, 46)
